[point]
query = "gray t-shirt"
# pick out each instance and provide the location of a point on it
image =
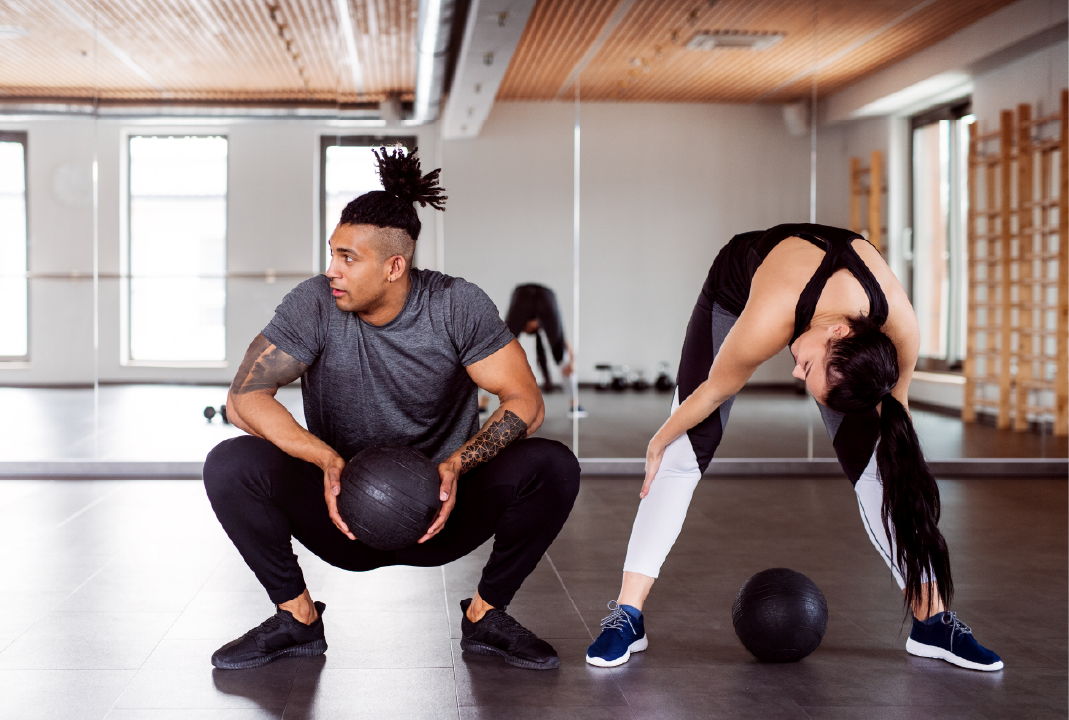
(403, 382)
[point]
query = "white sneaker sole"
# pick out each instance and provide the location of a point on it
(638, 646)
(937, 653)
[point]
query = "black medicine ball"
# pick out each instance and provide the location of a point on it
(780, 615)
(389, 496)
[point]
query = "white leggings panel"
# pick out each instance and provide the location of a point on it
(662, 512)
(869, 491)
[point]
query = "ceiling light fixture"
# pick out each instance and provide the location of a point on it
(734, 40)
(346, 23)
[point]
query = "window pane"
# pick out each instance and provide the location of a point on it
(931, 195)
(178, 248)
(13, 290)
(350, 172)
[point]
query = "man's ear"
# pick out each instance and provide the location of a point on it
(397, 265)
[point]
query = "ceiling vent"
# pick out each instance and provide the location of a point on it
(734, 40)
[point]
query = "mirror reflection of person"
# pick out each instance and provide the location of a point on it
(533, 310)
(828, 295)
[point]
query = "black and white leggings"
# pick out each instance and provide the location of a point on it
(661, 513)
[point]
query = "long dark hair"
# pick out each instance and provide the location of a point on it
(862, 369)
(403, 184)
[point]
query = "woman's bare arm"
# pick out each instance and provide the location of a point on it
(763, 329)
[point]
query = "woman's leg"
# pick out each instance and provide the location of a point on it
(659, 519)
(854, 438)
(661, 513)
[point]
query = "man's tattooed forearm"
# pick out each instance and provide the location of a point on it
(265, 367)
(492, 440)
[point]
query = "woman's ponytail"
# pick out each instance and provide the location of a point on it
(861, 370)
(911, 507)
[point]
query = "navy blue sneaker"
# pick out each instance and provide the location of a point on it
(944, 637)
(622, 633)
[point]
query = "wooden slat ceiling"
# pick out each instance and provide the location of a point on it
(644, 57)
(207, 50)
(293, 51)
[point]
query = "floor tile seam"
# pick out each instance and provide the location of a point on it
(615, 680)
(67, 597)
(81, 512)
(452, 656)
(178, 615)
(289, 693)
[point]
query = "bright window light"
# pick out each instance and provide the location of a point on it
(177, 292)
(351, 171)
(14, 341)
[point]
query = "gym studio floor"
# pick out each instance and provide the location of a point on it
(119, 590)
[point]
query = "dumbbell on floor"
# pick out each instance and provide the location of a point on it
(210, 412)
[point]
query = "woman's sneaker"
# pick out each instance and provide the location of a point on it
(279, 636)
(944, 637)
(622, 633)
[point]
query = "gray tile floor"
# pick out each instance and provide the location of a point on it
(40, 424)
(117, 592)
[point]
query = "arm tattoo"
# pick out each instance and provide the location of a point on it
(492, 440)
(265, 367)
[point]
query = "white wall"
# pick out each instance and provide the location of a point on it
(664, 187)
(1037, 79)
(272, 222)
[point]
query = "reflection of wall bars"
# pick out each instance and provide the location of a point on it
(1017, 353)
(862, 181)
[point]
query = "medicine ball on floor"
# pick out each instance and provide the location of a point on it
(389, 496)
(780, 615)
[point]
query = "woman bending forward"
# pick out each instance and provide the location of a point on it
(827, 294)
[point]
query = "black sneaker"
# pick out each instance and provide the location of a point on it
(279, 636)
(497, 633)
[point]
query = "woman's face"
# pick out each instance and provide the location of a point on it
(810, 351)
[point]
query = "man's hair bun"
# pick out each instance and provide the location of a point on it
(402, 178)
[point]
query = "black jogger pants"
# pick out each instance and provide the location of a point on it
(263, 497)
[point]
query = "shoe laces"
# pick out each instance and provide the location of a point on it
(956, 626)
(506, 623)
(617, 619)
(270, 624)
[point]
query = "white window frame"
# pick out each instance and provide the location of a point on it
(326, 225)
(21, 362)
(125, 239)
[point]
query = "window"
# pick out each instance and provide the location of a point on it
(940, 212)
(177, 249)
(14, 308)
(347, 171)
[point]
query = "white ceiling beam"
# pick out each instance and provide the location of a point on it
(948, 65)
(493, 31)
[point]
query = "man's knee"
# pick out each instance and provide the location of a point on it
(557, 467)
(233, 462)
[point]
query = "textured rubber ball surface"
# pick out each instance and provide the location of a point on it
(389, 496)
(780, 615)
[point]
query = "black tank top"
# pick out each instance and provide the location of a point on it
(728, 284)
